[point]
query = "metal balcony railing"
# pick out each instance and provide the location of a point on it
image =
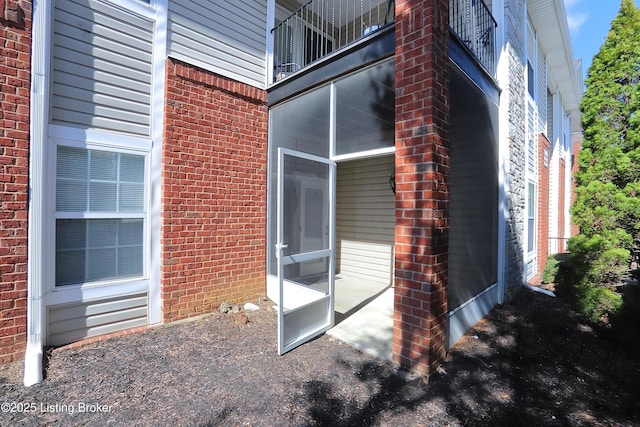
(474, 25)
(321, 27)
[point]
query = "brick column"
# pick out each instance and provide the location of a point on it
(422, 195)
(544, 159)
(15, 75)
(562, 245)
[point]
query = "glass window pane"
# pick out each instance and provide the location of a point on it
(104, 165)
(98, 249)
(102, 233)
(71, 163)
(131, 198)
(103, 197)
(531, 235)
(101, 264)
(131, 168)
(130, 232)
(130, 261)
(365, 110)
(112, 182)
(70, 234)
(71, 196)
(69, 267)
(532, 200)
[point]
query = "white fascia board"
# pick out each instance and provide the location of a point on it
(549, 20)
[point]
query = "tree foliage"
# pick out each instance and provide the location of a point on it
(607, 206)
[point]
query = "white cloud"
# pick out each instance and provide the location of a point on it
(576, 20)
(568, 4)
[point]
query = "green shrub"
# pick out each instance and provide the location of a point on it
(597, 266)
(551, 269)
(598, 304)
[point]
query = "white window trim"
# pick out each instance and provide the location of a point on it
(101, 141)
(138, 7)
(41, 235)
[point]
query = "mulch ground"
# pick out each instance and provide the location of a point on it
(529, 362)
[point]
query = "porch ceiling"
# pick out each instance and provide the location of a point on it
(549, 20)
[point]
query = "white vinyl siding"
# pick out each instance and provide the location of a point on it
(225, 37)
(74, 322)
(541, 99)
(101, 67)
(365, 219)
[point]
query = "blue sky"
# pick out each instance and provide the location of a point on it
(589, 22)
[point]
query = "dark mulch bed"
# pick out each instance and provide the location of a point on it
(530, 362)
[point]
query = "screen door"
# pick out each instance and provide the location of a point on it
(305, 247)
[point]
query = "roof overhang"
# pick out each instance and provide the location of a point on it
(549, 20)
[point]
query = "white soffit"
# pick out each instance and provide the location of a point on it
(549, 21)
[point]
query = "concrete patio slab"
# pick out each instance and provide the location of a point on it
(369, 329)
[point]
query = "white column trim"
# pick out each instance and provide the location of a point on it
(271, 20)
(41, 24)
(157, 131)
(502, 71)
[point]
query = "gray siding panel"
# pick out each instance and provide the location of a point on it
(365, 219)
(70, 323)
(102, 64)
(228, 38)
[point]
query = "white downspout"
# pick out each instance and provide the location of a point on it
(37, 127)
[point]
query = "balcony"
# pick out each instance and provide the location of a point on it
(321, 27)
(472, 23)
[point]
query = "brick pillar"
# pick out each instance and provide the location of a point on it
(15, 75)
(422, 170)
(544, 159)
(562, 245)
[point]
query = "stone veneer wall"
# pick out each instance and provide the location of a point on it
(514, 92)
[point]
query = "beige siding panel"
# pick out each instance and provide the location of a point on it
(102, 63)
(225, 37)
(70, 323)
(365, 219)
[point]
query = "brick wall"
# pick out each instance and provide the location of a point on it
(213, 192)
(562, 247)
(15, 48)
(422, 197)
(544, 161)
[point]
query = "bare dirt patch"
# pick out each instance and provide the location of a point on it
(530, 362)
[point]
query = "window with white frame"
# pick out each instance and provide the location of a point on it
(532, 131)
(531, 217)
(100, 215)
(531, 61)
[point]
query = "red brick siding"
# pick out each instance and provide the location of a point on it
(562, 247)
(213, 231)
(544, 162)
(15, 75)
(422, 197)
